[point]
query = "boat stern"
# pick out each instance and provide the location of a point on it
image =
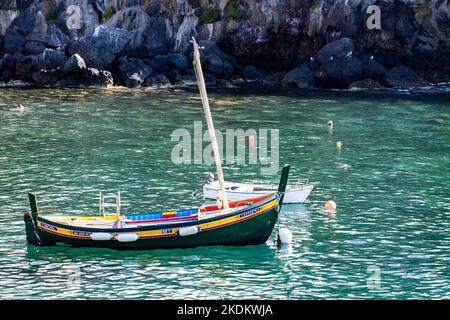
(30, 229)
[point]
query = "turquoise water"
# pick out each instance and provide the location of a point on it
(389, 238)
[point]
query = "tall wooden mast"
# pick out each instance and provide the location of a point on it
(212, 133)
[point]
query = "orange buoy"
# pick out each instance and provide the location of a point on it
(251, 140)
(330, 205)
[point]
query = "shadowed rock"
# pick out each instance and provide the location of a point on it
(252, 73)
(157, 81)
(51, 59)
(334, 50)
(2, 42)
(300, 77)
(339, 73)
(129, 67)
(100, 49)
(87, 77)
(403, 77)
(366, 84)
(373, 69)
(179, 61)
(6, 68)
(174, 76)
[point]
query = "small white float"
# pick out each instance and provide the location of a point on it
(101, 236)
(187, 231)
(127, 237)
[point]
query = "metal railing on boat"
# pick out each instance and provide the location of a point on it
(102, 205)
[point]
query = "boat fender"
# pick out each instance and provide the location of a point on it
(127, 237)
(187, 231)
(284, 236)
(101, 236)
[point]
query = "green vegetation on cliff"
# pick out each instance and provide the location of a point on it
(233, 10)
(209, 16)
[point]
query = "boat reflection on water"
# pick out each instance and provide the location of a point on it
(294, 208)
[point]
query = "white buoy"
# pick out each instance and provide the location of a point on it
(330, 123)
(284, 236)
(101, 236)
(127, 237)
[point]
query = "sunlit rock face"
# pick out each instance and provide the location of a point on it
(6, 17)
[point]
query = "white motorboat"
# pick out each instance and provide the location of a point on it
(296, 193)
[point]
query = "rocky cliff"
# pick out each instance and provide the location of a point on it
(293, 43)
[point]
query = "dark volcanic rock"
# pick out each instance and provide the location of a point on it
(214, 60)
(2, 42)
(388, 59)
(157, 80)
(6, 68)
(437, 76)
(365, 84)
(210, 47)
(100, 49)
(32, 26)
(403, 77)
(87, 77)
(54, 37)
(51, 59)
(128, 67)
(74, 63)
(273, 79)
(418, 61)
(300, 77)
(334, 50)
(373, 69)
(252, 73)
(160, 63)
(441, 59)
(25, 66)
(134, 81)
(215, 64)
(178, 60)
(33, 48)
(339, 73)
(174, 76)
(149, 35)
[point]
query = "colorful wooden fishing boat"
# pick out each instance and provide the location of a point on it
(245, 222)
